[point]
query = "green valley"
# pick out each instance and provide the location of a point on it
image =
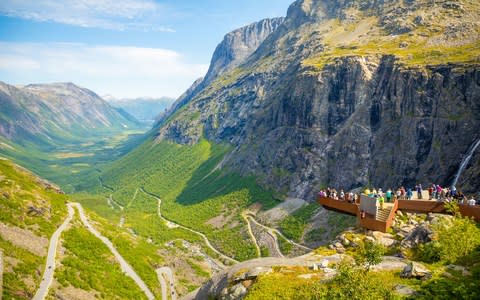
(264, 179)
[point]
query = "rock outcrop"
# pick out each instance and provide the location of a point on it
(238, 45)
(416, 270)
(235, 48)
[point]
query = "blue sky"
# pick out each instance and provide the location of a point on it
(125, 48)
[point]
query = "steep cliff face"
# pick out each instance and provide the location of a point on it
(348, 94)
(235, 48)
(238, 45)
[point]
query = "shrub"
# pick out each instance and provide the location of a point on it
(369, 254)
(455, 240)
(355, 283)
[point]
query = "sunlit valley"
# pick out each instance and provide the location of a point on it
(329, 150)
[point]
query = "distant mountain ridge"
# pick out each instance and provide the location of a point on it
(50, 114)
(144, 109)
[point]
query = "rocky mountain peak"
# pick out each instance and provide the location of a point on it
(238, 45)
(235, 48)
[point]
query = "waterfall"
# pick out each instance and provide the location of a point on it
(465, 161)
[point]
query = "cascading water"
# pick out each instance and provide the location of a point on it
(465, 161)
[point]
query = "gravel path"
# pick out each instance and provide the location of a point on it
(52, 251)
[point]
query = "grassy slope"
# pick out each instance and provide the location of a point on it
(89, 265)
(192, 191)
(68, 163)
(18, 191)
(424, 46)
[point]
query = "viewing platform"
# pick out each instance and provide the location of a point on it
(371, 216)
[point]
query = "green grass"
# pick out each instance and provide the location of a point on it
(20, 190)
(316, 234)
(191, 189)
(284, 286)
(418, 51)
(89, 265)
(294, 225)
(28, 267)
(90, 153)
(285, 247)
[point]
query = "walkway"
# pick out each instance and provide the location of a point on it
(381, 220)
(52, 251)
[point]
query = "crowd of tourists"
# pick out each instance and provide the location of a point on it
(435, 192)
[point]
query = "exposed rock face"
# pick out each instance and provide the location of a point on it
(238, 45)
(301, 115)
(235, 48)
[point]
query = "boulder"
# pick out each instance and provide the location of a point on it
(340, 249)
(404, 290)
(415, 270)
(379, 235)
(252, 273)
(406, 229)
(387, 242)
(329, 272)
(420, 235)
(459, 269)
(247, 283)
(238, 291)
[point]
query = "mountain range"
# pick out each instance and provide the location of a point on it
(144, 109)
(221, 190)
(50, 114)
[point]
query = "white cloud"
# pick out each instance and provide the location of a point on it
(107, 14)
(120, 71)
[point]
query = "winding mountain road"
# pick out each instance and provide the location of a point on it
(52, 251)
(269, 232)
(115, 202)
(166, 273)
(276, 231)
(126, 268)
(252, 236)
(207, 242)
